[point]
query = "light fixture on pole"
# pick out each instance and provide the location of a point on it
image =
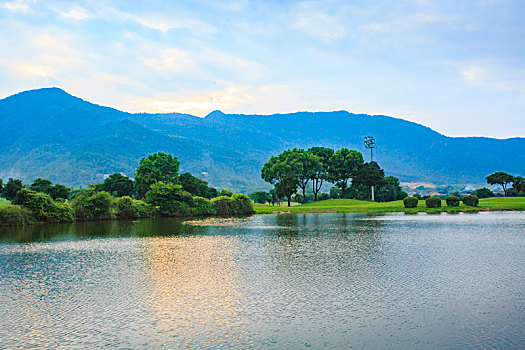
(370, 143)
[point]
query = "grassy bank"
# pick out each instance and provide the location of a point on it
(356, 206)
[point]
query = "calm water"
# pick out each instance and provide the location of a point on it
(273, 281)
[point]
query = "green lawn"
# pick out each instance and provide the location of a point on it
(4, 202)
(355, 206)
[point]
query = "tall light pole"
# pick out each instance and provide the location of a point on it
(370, 143)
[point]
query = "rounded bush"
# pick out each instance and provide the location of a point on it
(433, 202)
(452, 201)
(222, 205)
(410, 202)
(202, 206)
(241, 204)
(471, 201)
(15, 215)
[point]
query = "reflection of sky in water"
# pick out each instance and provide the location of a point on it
(270, 281)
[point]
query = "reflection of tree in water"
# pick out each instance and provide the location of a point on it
(105, 228)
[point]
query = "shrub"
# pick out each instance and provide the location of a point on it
(433, 202)
(15, 215)
(129, 208)
(511, 192)
(90, 205)
(169, 199)
(452, 201)
(43, 207)
(202, 206)
(241, 204)
(222, 205)
(471, 201)
(410, 202)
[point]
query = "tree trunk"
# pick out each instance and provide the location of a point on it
(304, 195)
(289, 199)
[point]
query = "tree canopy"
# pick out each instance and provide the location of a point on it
(324, 154)
(343, 166)
(157, 167)
(500, 178)
(282, 170)
(118, 185)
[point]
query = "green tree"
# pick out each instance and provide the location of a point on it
(310, 165)
(59, 191)
(343, 166)
(483, 193)
(1, 186)
(390, 190)
(118, 185)
(169, 199)
(225, 193)
(193, 185)
(370, 174)
(12, 187)
(211, 193)
(500, 178)
(91, 205)
(519, 183)
(260, 197)
(157, 167)
(324, 154)
(282, 170)
(41, 185)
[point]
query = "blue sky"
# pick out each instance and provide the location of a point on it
(455, 66)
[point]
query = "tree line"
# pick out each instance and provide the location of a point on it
(157, 190)
(299, 169)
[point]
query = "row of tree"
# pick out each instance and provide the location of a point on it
(158, 190)
(345, 169)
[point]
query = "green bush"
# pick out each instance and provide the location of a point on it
(202, 206)
(129, 208)
(169, 199)
(471, 201)
(241, 204)
(433, 202)
(511, 192)
(452, 201)
(410, 202)
(91, 205)
(43, 207)
(222, 205)
(15, 215)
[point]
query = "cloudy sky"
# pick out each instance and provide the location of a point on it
(456, 66)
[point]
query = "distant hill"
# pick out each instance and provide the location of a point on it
(49, 133)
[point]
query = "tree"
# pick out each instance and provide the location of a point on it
(483, 193)
(260, 197)
(310, 166)
(519, 183)
(169, 199)
(155, 168)
(282, 170)
(12, 187)
(500, 178)
(369, 174)
(343, 166)
(324, 154)
(1, 186)
(390, 190)
(194, 185)
(41, 185)
(59, 191)
(118, 185)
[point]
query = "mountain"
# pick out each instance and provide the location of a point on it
(51, 134)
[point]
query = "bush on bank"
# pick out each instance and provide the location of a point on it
(15, 215)
(129, 208)
(452, 201)
(43, 207)
(433, 202)
(471, 201)
(410, 202)
(90, 205)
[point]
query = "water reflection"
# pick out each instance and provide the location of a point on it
(274, 281)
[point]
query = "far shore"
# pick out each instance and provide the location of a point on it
(357, 206)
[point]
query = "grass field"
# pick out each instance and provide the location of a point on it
(355, 206)
(4, 202)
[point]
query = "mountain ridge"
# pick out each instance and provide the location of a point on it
(50, 133)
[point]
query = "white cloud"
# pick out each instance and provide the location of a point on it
(18, 5)
(165, 23)
(75, 13)
(170, 60)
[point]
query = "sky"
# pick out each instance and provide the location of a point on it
(455, 66)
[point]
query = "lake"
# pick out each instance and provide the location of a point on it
(286, 281)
